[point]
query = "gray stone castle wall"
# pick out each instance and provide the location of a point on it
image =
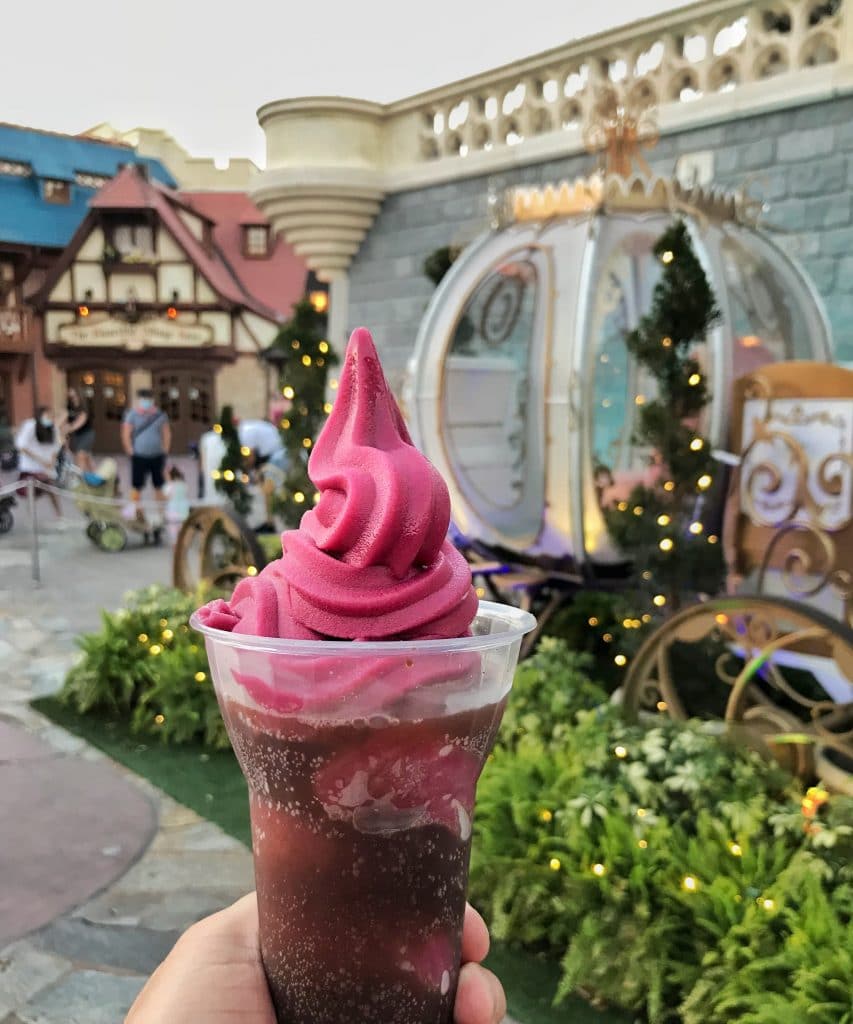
(800, 161)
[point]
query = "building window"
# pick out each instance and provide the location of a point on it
(14, 168)
(87, 180)
(133, 241)
(56, 191)
(256, 239)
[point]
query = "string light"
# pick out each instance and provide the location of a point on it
(216, 475)
(696, 528)
(229, 475)
(323, 346)
(285, 423)
(298, 497)
(83, 310)
(735, 849)
(713, 539)
(164, 623)
(642, 844)
(662, 705)
(295, 346)
(620, 660)
(333, 384)
(168, 634)
(316, 497)
(722, 619)
(627, 623)
(623, 506)
(480, 591)
(599, 870)
(669, 485)
(704, 482)
(321, 362)
(620, 751)
(143, 638)
(666, 342)
(251, 570)
(694, 379)
(647, 618)
(327, 407)
(306, 360)
(217, 428)
(641, 812)
(554, 864)
(640, 400)
(668, 256)
(306, 442)
(288, 391)
(647, 575)
(767, 904)
(607, 638)
(697, 444)
(159, 719)
(666, 544)
(154, 649)
(664, 519)
(638, 510)
(245, 450)
(545, 815)
(659, 600)
(690, 883)
(593, 621)
(200, 677)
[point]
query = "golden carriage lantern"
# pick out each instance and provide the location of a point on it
(521, 390)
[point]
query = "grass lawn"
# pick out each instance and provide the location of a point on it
(212, 785)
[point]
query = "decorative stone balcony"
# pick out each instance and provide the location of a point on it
(330, 160)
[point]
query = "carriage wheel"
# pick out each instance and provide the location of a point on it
(111, 537)
(215, 546)
(757, 663)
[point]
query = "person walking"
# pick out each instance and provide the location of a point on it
(38, 445)
(79, 430)
(146, 436)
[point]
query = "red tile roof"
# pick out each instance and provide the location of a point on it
(267, 287)
(279, 280)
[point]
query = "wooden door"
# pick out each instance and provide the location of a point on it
(105, 393)
(187, 396)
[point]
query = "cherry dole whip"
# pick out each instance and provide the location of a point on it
(362, 687)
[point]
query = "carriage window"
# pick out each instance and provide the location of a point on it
(620, 387)
(766, 310)
(491, 414)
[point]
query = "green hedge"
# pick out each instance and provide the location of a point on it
(671, 872)
(148, 666)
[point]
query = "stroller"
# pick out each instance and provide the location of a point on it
(7, 518)
(110, 525)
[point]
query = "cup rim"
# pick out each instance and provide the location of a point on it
(517, 622)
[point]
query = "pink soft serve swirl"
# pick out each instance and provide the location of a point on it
(371, 561)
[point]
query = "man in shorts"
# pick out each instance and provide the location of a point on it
(146, 436)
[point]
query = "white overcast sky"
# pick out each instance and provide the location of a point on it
(201, 68)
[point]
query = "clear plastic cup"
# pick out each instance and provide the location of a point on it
(362, 761)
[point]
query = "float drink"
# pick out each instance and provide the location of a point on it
(362, 690)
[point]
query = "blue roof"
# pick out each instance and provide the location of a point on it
(26, 218)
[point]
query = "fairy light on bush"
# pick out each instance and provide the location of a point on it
(694, 379)
(154, 650)
(690, 883)
(704, 482)
(546, 815)
(697, 444)
(599, 870)
(554, 864)
(167, 634)
(620, 751)
(159, 719)
(620, 660)
(658, 600)
(592, 620)
(696, 528)
(735, 849)
(143, 638)
(288, 392)
(663, 519)
(251, 570)
(200, 677)
(667, 544)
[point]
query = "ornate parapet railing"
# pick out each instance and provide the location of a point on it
(695, 53)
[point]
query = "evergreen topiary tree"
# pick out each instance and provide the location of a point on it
(661, 528)
(231, 477)
(304, 358)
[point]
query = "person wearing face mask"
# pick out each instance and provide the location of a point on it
(38, 445)
(146, 436)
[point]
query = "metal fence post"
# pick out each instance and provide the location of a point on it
(31, 501)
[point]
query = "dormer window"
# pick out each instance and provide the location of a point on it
(256, 240)
(57, 191)
(133, 240)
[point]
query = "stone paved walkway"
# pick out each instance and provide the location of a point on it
(86, 965)
(106, 906)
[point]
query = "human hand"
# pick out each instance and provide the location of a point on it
(214, 975)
